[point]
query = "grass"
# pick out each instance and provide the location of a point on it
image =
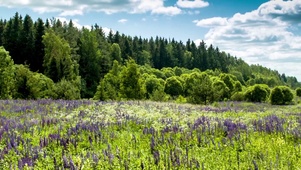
(148, 135)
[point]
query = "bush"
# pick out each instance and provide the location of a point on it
(39, 86)
(257, 93)
(181, 99)
(67, 90)
(298, 92)
(281, 95)
(174, 86)
(159, 95)
(238, 96)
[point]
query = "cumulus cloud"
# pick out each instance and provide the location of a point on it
(122, 21)
(261, 36)
(74, 21)
(192, 3)
(285, 10)
(79, 7)
(167, 11)
(211, 22)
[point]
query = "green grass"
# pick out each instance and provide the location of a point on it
(148, 135)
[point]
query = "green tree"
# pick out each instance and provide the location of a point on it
(11, 38)
(67, 90)
(298, 92)
(228, 80)
(7, 78)
(281, 95)
(90, 63)
(199, 88)
(276, 96)
(28, 41)
(257, 93)
(21, 75)
(57, 61)
(109, 86)
(174, 86)
(2, 26)
(131, 86)
(37, 63)
(115, 52)
(39, 86)
(152, 84)
(220, 90)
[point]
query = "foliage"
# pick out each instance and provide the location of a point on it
(40, 87)
(60, 50)
(131, 86)
(109, 86)
(298, 92)
(115, 52)
(21, 76)
(57, 61)
(220, 90)
(7, 79)
(173, 86)
(89, 62)
(67, 90)
(257, 93)
(281, 95)
(199, 87)
(152, 83)
(238, 96)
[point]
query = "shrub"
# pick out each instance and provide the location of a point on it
(174, 86)
(281, 95)
(298, 92)
(257, 93)
(238, 96)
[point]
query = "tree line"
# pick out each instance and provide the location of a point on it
(54, 59)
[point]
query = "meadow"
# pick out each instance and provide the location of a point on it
(83, 134)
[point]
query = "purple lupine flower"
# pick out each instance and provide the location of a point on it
(65, 162)
(26, 161)
(156, 155)
(90, 140)
(145, 130)
(95, 158)
(152, 144)
(72, 166)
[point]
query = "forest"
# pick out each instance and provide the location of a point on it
(56, 60)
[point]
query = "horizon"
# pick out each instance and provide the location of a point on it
(260, 32)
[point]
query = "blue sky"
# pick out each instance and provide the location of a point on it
(265, 32)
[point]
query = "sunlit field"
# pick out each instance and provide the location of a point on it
(47, 134)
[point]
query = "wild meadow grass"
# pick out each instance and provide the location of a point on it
(47, 134)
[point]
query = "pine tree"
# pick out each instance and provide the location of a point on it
(2, 26)
(11, 38)
(90, 62)
(28, 42)
(37, 63)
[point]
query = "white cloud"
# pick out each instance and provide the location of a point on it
(107, 30)
(262, 36)
(74, 21)
(122, 21)
(155, 7)
(79, 7)
(192, 3)
(167, 10)
(211, 22)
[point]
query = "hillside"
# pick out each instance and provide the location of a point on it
(52, 59)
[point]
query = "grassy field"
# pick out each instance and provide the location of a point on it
(46, 134)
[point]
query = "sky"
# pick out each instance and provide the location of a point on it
(265, 32)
